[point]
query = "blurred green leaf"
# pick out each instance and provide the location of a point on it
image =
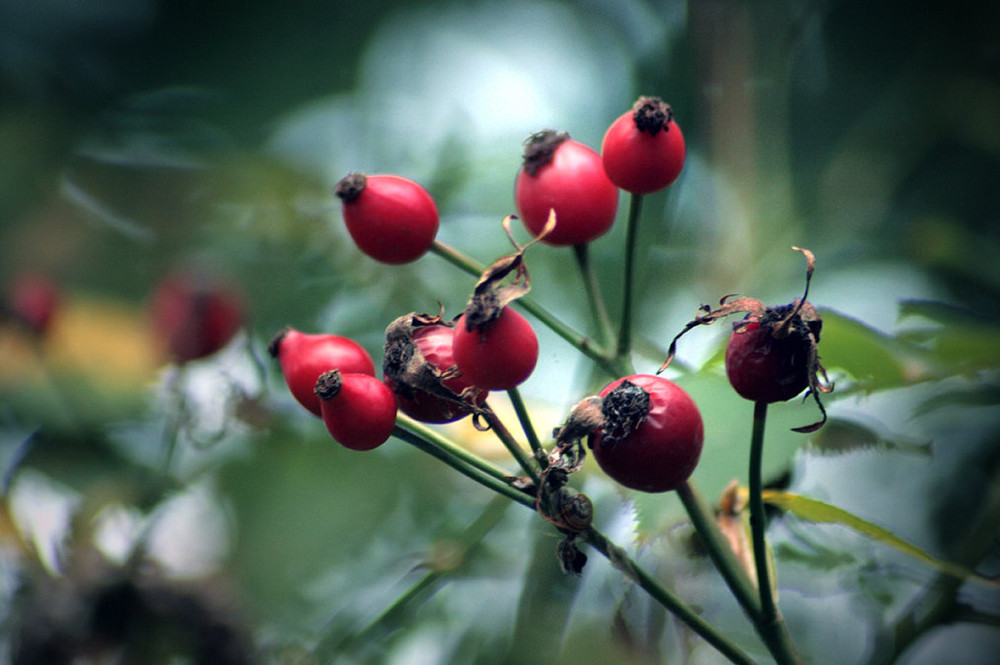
(840, 436)
(823, 513)
(871, 357)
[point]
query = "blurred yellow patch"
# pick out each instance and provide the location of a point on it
(105, 344)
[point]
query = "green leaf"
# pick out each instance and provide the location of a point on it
(873, 358)
(823, 513)
(841, 436)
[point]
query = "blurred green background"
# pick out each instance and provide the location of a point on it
(137, 135)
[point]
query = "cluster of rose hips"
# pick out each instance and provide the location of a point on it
(644, 430)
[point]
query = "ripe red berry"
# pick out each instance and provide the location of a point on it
(653, 433)
(303, 357)
(33, 300)
(435, 342)
(643, 150)
(562, 175)
(499, 355)
(195, 315)
(390, 218)
(765, 368)
(358, 410)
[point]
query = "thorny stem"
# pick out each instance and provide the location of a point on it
(620, 560)
(631, 233)
(485, 474)
(593, 290)
(770, 623)
(527, 463)
(529, 430)
(719, 550)
(584, 345)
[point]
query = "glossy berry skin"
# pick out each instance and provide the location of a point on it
(303, 357)
(195, 315)
(361, 414)
(435, 342)
(663, 450)
(573, 184)
(763, 368)
(499, 356)
(641, 162)
(390, 218)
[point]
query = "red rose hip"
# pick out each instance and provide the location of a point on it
(390, 218)
(765, 368)
(358, 410)
(498, 355)
(561, 174)
(423, 403)
(303, 357)
(653, 433)
(643, 150)
(195, 315)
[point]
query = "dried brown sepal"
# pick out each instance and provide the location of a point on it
(798, 317)
(491, 294)
(274, 346)
(409, 370)
(652, 114)
(624, 409)
(350, 186)
(732, 523)
(539, 149)
(328, 384)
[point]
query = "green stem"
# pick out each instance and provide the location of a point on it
(529, 430)
(631, 233)
(770, 624)
(508, 440)
(592, 288)
(584, 345)
(482, 472)
(719, 551)
(464, 462)
(620, 560)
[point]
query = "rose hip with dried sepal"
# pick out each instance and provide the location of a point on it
(495, 347)
(390, 218)
(304, 356)
(568, 177)
(772, 354)
(358, 410)
(419, 368)
(651, 434)
(643, 150)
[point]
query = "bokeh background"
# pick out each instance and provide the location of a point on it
(139, 135)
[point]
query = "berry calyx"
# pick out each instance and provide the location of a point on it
(303, 357)
(643, 150)
(390, 218)
(497, 355)
(195, 315)
(652, 433)
(358, 410)
(568, 177)
(419, 368)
